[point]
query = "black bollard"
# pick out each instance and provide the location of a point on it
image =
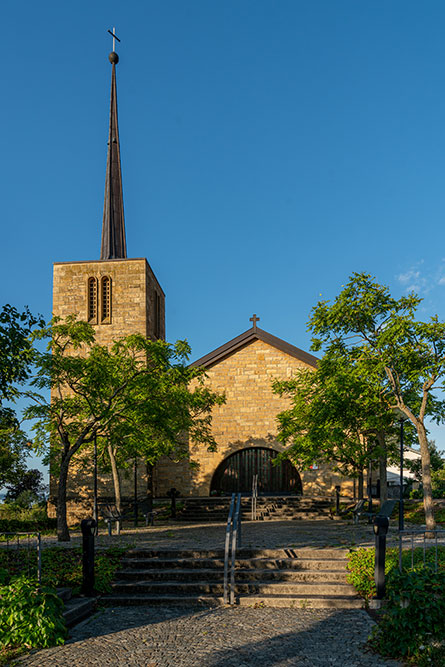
(88, 527)
(381, 524)
(173, 494)
(337, 500)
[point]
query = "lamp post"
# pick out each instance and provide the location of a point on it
(401, 520)
(95, 484)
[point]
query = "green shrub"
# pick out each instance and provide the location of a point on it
(63, 567)
(415, 615)
(30, 615)
(361, 566)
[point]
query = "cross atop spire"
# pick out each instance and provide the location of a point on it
(113, 225)
(254, 319)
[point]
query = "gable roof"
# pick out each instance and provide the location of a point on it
(249, 336)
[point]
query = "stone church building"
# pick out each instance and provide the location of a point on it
(120, 295)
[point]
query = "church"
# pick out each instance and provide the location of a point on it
(118, 295)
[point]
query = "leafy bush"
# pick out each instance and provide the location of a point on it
(30, 615)
(415, 615)
(14, 518)
(63, 567)
(361, 566)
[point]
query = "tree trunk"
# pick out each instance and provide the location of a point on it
(360, 485)
(116, 479)
(426, 477)
(63, 533)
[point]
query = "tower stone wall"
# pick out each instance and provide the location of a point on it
(137, 305)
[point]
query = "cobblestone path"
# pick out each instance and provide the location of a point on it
(221, 637)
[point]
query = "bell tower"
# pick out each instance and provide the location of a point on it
(116, 294)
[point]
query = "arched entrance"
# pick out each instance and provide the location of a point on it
(236, 472)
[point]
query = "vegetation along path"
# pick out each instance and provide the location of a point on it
(221, 637)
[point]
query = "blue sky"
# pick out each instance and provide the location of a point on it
(269, 149)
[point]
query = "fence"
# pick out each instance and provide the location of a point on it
(415, 534)
(19, 548)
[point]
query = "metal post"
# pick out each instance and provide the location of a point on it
(39, 558)
(95, 513)
(370, 487)
(88, 527)
(337, 500)
(401, 518)
(135, 492)
(381, 524)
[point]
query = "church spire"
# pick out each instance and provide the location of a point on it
(113, 226)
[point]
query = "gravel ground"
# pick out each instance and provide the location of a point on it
(221, 637)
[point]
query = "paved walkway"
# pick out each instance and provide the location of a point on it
(221, 637)
(261, 534)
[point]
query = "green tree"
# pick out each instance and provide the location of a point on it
(336, 416)
(136, 389)
(14, 447)
(436, 462)
(16, 357)
(16, 348)
(406, 356)
(26, 488)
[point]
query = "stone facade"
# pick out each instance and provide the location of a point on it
(137, 299)
(137, 305)
(247, 419)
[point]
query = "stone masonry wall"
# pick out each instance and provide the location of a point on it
(133, 288)
(247, 419)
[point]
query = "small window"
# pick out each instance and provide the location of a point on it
(92, 300)
(105, 316)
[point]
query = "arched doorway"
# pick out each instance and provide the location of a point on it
(236, 472)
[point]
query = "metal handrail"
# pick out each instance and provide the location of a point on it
(236, 542)
(233, 540)
(418, 531)
(227, 548)
(254, 497)
(38, 545)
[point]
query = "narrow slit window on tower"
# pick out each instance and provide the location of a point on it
(105, 315)
(92, 300)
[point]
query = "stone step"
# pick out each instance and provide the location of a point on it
(64, 593)
(242, 575)
(295, 601)
(76, 609)
(242, 588)
(325, 564)
(305, 553)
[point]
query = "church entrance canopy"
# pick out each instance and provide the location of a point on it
(235, 473)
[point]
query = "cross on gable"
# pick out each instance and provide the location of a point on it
(254, 319)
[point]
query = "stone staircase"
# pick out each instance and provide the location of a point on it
(269, 508)
(269, 577)
(75, 608)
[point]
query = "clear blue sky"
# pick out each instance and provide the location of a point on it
(268, 149)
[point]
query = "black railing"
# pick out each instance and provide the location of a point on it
(17, 542)
(233, 540)
(416, 541)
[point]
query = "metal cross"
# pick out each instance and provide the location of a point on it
(254, 319)
(115, 37)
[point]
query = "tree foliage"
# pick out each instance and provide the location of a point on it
(14, 447)
(405, 356)
(16, 348)
(337, 416)
(135, 395)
